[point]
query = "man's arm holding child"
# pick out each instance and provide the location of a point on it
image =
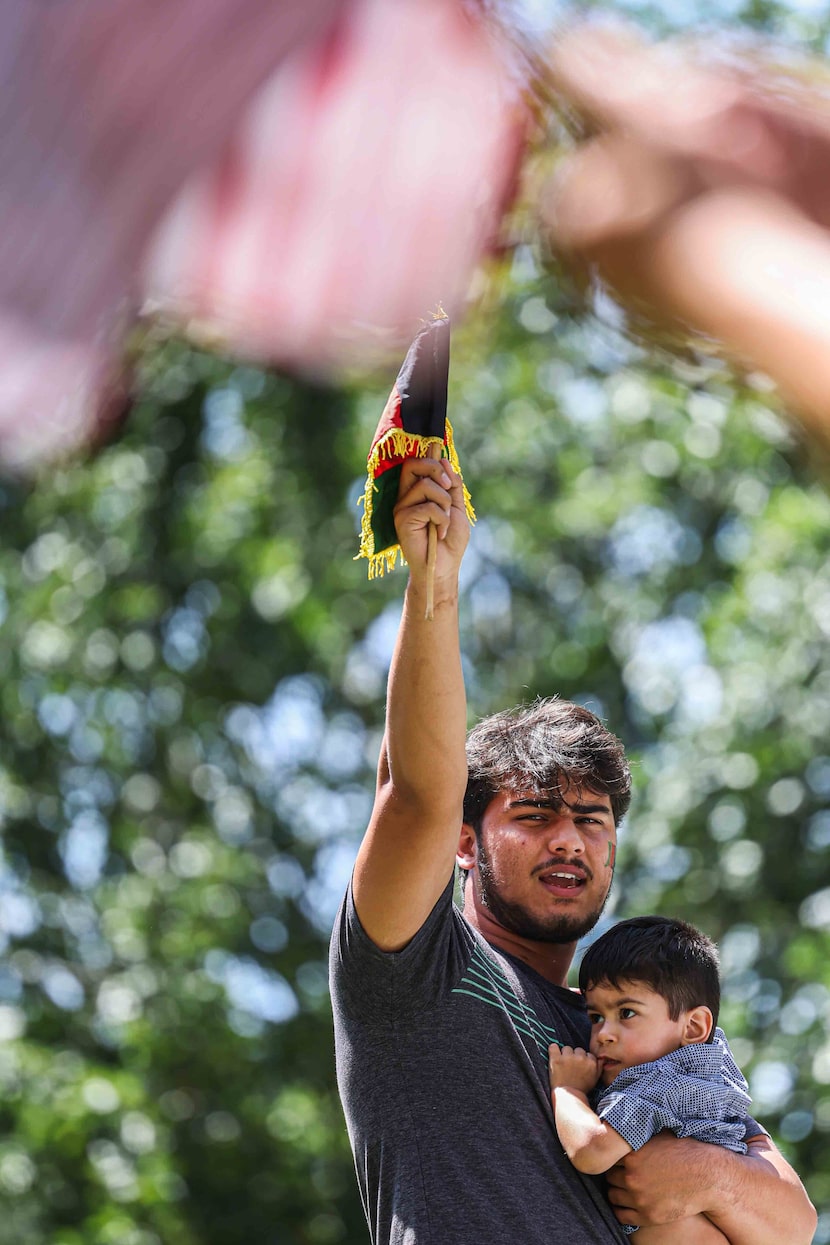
(681, 1192)
(593, 1146)
(754, 1198)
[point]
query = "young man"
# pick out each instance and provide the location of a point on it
(443, 1020)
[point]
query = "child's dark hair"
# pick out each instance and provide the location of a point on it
(671, 957)
(546, 747)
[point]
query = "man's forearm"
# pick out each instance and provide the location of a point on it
(754, 1199)
(426, 706)
(759, 1199)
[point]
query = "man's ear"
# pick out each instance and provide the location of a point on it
(698, 1026)
(467, 854)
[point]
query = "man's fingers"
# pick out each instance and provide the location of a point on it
(424, 496)
(423, 490)
(428, 491)
(421, 516)
(415, 469)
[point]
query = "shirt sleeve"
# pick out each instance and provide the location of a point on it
(688, 1106)
(635, 1114)
(379, 986)
(752, 1128)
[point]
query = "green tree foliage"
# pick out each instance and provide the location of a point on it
(179, 773)
(192, 675)
(193, 678)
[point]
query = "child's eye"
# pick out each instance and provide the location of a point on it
(627, 1013)
(594, 1017)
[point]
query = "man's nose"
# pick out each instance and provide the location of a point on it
(565, 837)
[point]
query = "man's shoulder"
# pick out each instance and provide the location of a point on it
(348, 931)
(435, 956)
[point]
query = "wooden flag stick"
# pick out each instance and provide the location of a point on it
(432, 552)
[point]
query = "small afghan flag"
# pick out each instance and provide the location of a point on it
(414, 424)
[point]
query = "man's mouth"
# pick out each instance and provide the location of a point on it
(565, 880)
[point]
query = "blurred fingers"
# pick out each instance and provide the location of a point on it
(660, 92)
(612, 187)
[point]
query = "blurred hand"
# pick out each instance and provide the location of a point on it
(701, 198)
(184, 143)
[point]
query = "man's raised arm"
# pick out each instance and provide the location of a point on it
(407, 855)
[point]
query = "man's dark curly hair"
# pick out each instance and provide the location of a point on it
(546, 747)
(671, 957)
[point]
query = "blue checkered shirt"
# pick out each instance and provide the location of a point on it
(697, 1091)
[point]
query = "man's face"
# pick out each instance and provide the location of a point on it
(545, 867)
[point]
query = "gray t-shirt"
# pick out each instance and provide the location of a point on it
(442, 1068)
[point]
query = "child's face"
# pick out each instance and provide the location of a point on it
(630, 1024)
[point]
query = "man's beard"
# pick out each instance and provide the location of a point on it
(557, 928)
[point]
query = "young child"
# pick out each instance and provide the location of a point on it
(656, 1059)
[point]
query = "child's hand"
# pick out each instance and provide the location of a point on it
(572, 1068)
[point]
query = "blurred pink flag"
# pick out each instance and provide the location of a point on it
(303, 178)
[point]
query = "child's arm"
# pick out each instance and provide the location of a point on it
(591, 1145)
